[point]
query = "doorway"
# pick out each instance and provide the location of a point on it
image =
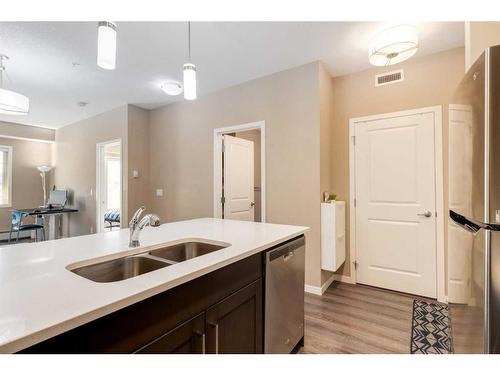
(239, 172)
(109, 185)
(397, 209)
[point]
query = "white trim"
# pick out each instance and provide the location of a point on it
(319, 291)
(344, 279)
(467, 45)
(440, 213)
(26, 139)
(99, 149)
(438, 160)
(218, 133)
(10, 155)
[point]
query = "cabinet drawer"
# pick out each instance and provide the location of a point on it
(188, 338)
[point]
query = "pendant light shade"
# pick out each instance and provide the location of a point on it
(106, 45)
(393, 45)
(189, 81)
(189, 72)
(11, 102)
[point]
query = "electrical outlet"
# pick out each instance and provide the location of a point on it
(159, 192)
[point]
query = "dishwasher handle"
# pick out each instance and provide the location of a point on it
(286, 250)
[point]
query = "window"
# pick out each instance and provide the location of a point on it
(5, 176)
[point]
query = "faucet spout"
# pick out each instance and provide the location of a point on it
(136, 226)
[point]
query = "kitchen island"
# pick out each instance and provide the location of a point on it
(46, 306)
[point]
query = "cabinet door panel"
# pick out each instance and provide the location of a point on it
(188, 338)
(234, 325)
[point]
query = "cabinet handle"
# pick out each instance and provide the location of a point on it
(198, 333)
(216, 326)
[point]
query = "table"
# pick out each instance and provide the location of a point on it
(57, 227)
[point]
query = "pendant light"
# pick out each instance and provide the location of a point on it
(106, 45)
(11, 102)
(189, 73)
(393, 45)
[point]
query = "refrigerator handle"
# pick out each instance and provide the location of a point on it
(465, 223)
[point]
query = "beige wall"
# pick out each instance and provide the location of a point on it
(478, 36)
(26, 181)
(75, 163)
(429, 81)
(327, 106)
(139, 190)
(12, 130)
(181, 140)
(254, 136)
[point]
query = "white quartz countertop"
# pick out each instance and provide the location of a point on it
(40, 298)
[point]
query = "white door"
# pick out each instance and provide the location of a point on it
(238, 180)
(460, 242)
(396, 203)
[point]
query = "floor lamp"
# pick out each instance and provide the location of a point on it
(43, 171)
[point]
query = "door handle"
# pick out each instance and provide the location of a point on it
(216, 326)
(426, 214)
(252, 204)
(202, 335)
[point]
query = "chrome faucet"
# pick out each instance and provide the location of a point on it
(136, 226)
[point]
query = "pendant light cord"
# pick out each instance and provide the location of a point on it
(189, 41)
(1, 71)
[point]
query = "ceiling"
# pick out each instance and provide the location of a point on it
(42, 57)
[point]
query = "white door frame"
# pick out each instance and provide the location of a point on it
(438, 171)
(99, 156)
(218, 133)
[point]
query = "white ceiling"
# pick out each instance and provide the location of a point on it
(148, 53)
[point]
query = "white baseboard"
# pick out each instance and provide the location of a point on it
(344, 279)
(320, 290)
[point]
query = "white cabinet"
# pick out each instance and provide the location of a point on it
(332, 235)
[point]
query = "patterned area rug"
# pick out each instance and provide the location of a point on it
(430, 331)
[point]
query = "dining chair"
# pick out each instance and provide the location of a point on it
(18, 226)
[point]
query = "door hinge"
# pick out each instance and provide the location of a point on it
(223, 147)
(354, 140)
(354, 202)
(355, 264)
(223, 200)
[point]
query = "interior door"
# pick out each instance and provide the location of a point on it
(460, 241)
(238, 183)
(395, 203)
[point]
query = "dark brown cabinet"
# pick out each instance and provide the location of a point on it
(188, 338)
(234, 325)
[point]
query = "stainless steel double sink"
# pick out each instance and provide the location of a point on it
(139, 264)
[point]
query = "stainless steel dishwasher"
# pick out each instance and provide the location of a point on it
(284, 297)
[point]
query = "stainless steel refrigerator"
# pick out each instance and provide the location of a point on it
(474, 200)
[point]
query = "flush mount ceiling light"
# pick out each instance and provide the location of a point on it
(189, 70)
(393, 45)
(106, 45)
(171, 88)
(11, 102)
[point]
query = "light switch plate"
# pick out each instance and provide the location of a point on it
(159, 192)
(135, 173)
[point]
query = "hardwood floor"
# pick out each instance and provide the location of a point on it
(357, 319)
